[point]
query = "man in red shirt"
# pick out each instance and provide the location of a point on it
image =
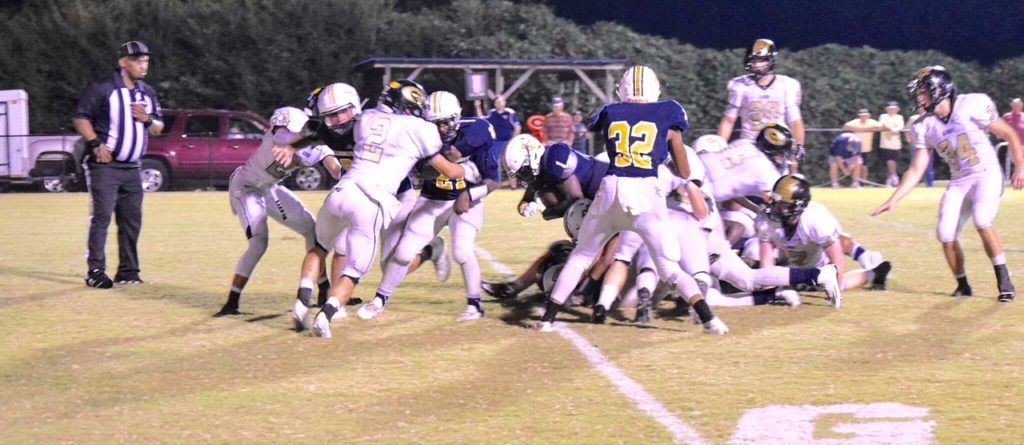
(558, 124)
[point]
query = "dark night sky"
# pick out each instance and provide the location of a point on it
(969, 29)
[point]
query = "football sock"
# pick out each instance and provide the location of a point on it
(999, 260)
(961, 281)
(803, 276)
(550, 311)
(330, 308)
(856, 252)
(609, 292)
(703, 310)
(383, 298)
(475, 302)
(304, 295)
(764, 296)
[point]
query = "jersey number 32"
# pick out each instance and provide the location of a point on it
(636, 154)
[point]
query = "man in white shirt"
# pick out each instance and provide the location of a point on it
(889, 141)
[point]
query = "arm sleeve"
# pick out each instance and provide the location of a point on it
(917, 132)
(732, 107)
(794, 95)
(596, 120)
(429, 139)
(824, 229)
(293, 119)
(86, 108)
(677, 116)
(983, 110)
(314, 155)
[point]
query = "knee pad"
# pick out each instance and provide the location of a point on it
(463, 254)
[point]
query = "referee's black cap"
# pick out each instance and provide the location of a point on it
(133, 48)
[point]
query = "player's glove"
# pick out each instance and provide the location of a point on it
(313, 126)
(527, 209)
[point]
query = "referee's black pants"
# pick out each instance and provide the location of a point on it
(115, 190)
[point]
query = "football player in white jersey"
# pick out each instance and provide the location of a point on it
(761, 97)
(390, 139)
(255, 191)
(957, 126)
(641, 133)
(806, 235)
(444, 202)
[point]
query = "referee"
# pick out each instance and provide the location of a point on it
(115, 118)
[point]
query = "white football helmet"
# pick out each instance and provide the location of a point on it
(639, 84)
(711, 143)
(336, 97)
(333, 99)
(521, 159)
(573, 218)
(444, 110)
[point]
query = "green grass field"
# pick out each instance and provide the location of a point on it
(147, 364)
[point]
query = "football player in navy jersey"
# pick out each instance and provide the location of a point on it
(559, 176)
(640, 133)
(443, 201)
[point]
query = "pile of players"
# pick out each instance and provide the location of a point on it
(694, 219)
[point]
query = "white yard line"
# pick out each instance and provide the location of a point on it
(642, 400)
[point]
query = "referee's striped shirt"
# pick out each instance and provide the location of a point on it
(107, 104)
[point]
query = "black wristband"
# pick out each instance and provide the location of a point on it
(148, 122)
(91, 144)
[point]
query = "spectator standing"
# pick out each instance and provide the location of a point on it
(558, 124)
(580, 134)
(864, 127)
(115, 118)
(889, 143)
(504, 120)
(1015, 118)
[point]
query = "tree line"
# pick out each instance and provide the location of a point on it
(259, 54)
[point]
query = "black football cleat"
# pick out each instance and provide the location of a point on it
(599, 315)
(963, 291)
(354, 301)
(881, 274)
(98, 279)
(228, 309)
(501, 291)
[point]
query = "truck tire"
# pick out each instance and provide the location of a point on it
(53, 184)
(310, 178)
(154, 175)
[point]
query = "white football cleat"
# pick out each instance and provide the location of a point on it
(546, 326)
(870, 259)
(829, 280)
(439, 255)
(371, 309)
(300, 315)
(471, 313)
(716, 326)
(322, 326)
(791, 296)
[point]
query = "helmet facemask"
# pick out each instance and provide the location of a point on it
(341, 121)
(783, 212)
(448, 128)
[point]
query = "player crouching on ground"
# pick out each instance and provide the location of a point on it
(293, 140)
(805, 234)
(565, 180)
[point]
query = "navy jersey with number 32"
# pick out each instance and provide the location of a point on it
(636, 135)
